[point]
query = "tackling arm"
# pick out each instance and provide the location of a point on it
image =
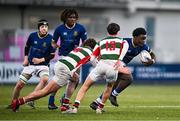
(95, 54)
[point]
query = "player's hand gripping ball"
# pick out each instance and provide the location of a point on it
(145, 56)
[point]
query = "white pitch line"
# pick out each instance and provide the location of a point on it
(158, 106)
(139, 106)
(91, 120)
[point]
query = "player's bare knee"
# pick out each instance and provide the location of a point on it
(44, 79)
(44, 76)
(127, 77)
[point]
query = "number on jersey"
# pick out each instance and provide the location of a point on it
(110, 46)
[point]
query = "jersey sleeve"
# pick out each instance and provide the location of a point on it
(124, 49)
(147, 48)
(28, 45)
(56, 35)
(96, 50)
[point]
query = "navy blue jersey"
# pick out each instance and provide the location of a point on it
(69, 38)
(39, 47)
(133, 51)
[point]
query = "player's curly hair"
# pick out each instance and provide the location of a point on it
(67, 12)
(113, 28)
(90, 42)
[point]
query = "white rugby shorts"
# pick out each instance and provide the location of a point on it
(104, 68)
(62, 74)
(38, 70)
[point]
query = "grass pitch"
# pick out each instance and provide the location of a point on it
(136, 103)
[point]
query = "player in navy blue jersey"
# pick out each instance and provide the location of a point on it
(136, 45)
(70, 34)
(38, 52)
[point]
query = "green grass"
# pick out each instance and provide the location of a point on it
(137, 103)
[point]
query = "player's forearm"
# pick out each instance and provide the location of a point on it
(25, 62)
(25, 57)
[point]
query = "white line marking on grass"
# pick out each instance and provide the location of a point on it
(90, 120)
(138, 106)
(158, 106)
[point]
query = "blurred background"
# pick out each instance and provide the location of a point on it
(161, 18)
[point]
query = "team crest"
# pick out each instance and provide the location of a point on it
(65, 33)
(75, 33)
(44, 44)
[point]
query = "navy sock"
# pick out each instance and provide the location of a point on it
(118, 90)
(51, 99)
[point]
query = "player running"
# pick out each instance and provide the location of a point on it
(70, 34)
(136, 45)
(65, 70)
(112, 50)
(38, 53)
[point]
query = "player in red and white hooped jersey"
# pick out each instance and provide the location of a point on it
(111, 50)
(65, 72)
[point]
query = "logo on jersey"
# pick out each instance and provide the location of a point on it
(44, 44)
(35, 42)
(75, 33)
(65, 33)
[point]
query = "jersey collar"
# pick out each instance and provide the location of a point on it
(70, 27)
(40, 36)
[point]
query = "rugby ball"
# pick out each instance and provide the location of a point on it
(145, 56)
